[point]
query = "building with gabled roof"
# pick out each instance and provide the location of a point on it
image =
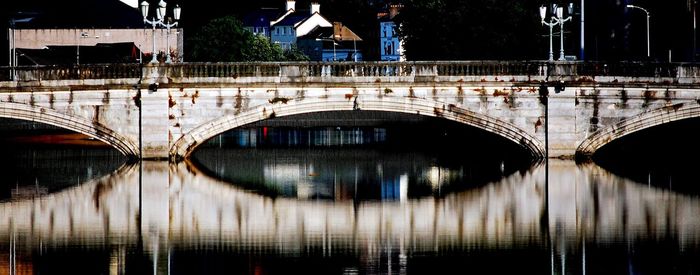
(292, 24)
(306, 29)
(337, 43)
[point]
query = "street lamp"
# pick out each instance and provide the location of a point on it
(331, 40)
(77, 54)
(176, 13)
(557, 18)
(562, 20)
(160, 14)
(153, 22)
(354, 46)
(552, 22)
(12, 49)
(648, 16)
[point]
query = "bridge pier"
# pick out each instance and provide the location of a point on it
(562, 123)
(155, 125)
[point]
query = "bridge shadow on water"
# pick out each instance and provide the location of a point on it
(665, 156)
(39, 159)
(359, 156)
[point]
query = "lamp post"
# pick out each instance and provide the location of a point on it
(331, 40)
(77, 54)
(13, 53)
(334, 58)
(648, 16)
(176, 14)
(354, 46)
(562, 20)
(557, 18)
(158, 20)
(552, 22)
(153, 22)
(13, 47)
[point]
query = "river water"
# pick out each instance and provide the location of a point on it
(338, 201)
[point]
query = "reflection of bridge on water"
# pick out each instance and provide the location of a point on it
(182, 206)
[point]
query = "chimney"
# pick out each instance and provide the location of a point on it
(338, 31)
(394, 10)
(291, 5)
(315, 7)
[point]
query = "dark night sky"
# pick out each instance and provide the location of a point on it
(103, 12)
(613, 32)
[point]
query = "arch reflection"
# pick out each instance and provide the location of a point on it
(349, 174)
(180, 208)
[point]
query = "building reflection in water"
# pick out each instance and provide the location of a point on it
(187, 216)
(346, 174)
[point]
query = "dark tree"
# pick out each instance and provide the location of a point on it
(470, 29)
(295, 55)
(225, 40)
(222, 39)
(259, 48)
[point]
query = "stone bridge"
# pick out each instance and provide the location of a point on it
(172, 109)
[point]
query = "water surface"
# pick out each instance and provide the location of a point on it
(337, 209)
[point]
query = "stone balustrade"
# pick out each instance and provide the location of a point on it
(352, 72)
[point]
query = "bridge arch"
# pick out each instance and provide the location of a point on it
(637, 123)
(185, 145)
(77, 124)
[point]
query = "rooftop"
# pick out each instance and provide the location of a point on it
(293, 18)
(43, 14)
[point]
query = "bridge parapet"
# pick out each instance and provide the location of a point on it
(101, 74)
(349, 72)
(353, 72)
(628, 72)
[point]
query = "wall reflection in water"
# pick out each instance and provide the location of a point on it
(181, 220)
